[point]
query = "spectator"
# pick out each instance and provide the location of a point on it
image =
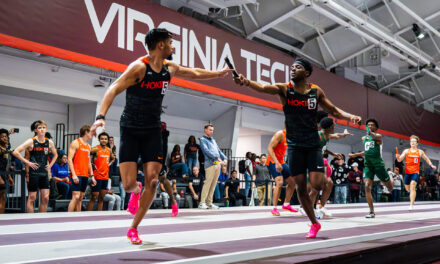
(190, 153)
(262, 177)
(113, 200)
(248, 172)
(222, 181)
(397, 180)
(177, 163)
(5, 163)
(232, 190)
(201, 161)
(386, 194)
(214, 159)
(355, 179)
(165, 196)
(113, 164)
(359, 160)
(431, 185)
(340, 175)
(195, 188)
(60, 172)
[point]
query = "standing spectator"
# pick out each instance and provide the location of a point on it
(60, 172)
(222, 180)
(114, 163)
(214, 158)
(340, 175)
(201, 161)
(262, 176)
(355, 179)
(248, 172)
(397, 180)
(386, 194)
(39, 147)
(190, 153)
(165, 196)
(177, 163)
(431, 185)
(195, 188)
(232, 190)
(5, 163)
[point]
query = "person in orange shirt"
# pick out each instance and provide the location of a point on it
(80, 167)
(412, 169)
(102, 157)
(279, 171)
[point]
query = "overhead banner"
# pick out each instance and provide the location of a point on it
(110, 34)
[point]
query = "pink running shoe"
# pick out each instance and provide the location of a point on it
(133, 236)
(275, 212)
(314, 228)
(289, 208)
(133, 203)
(175, 210)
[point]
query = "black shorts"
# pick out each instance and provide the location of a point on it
(144, 142)
(100, 185)
(38, 182)
(302, 161)
(82, 184)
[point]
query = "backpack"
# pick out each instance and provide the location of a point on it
(242, 166)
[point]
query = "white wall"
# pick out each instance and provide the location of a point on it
(20, 112)
(248, 143)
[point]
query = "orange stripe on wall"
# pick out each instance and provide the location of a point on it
(106, 64)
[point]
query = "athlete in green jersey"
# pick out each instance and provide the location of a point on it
(327, 132)
(374, 164)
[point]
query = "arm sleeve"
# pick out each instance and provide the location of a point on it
(206, 151)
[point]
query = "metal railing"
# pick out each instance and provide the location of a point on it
(15, 195)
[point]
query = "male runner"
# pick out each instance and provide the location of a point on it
(5, 163)
(300, 101)
(39, 147)
(326, 133)
(102, 156)
(374, 164)
(279, 171)
(80, 167)
(146, 81)
(412, 168)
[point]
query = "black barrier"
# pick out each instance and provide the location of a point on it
(16, 199)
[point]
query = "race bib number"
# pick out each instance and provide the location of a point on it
(312, 103)
(369, 145)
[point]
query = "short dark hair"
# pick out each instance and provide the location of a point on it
(208, 125)
(233, 171)
(306, 64)
(110, 137)
(320, 115)
(372, 120)
(326, 122)
(155, 36)
(103, 134)
(83, 130)
(263, 155)
(2, 130)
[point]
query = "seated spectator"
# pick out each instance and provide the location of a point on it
(165, 196)
(60, 172)
(232, 190)
(222, 178)
(431, 185)
(195, 189)
(355, 179)
(190, 153)
(177, 163)
(397, 181)
(113, 200)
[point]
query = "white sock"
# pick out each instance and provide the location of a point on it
(286, 204)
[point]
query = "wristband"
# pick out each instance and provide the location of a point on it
(100, 117)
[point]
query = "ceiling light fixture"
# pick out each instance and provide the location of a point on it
(417, 31)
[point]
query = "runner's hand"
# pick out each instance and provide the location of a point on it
(98, 123)
(346, 133)
(34, 166)
(240, 80)
(75, 179)
(278, 167)
(223, 73)
(93, 181)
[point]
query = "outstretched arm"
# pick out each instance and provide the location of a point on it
(355, 155)
(427, 160)
(262, 88)
(330, 108)
(340, 135)
(196, 73)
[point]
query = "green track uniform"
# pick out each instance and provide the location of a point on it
(374, 164)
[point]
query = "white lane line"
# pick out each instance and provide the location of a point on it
(103, 224)
(290, 249)
(46, 251)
